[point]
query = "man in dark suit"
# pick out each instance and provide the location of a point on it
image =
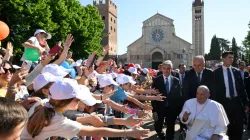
(170, 108)
(182, 73)
(230, 92)
(247, 87)
(243, 72)
(198, 75)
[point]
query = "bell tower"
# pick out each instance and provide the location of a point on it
(108, 12)
(198, 27)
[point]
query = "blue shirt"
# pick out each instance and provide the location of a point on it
(119, 95)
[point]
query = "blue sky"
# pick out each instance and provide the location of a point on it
(225, 18)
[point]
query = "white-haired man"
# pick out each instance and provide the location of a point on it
(170, 108)
(198, 75)
(205, 119)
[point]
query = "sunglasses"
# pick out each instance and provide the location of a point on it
(11, 70)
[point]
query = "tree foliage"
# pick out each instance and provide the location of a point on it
(246, 44)
(215, 51)
(235, 50)
(58, 17)
(224, 44)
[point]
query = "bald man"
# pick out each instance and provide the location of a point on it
(205, 118)
(198, 75)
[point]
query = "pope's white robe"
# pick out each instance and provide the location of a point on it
(212, 119)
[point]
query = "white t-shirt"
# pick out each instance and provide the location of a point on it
(35, 42)
(60, 126)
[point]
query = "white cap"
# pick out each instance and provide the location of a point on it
(123, 79)
(42, 31)
(132, 70)
(113, 75)
(69, 88)
(77, 63)
(56, 70)
(145, 71)
(106, 80)
(94, 73)
(138, 66)
(43, 79)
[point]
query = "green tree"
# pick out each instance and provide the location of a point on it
(224, 44)
(58, 17)
(246, 44)
(235, 50)
(215, 52)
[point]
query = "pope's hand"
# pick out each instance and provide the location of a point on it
(186, 116)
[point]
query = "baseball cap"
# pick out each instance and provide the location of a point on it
(138, 66)
(132, 70)
(145, 70)
(123, 79)
(56, 70)
(42, 31)
(43, 79)
(106, 80)
(69, 88)
(77, 63)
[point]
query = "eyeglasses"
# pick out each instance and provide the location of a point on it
(11, 70)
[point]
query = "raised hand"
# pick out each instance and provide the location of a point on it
(160, 98)
(154, 91)
(105, 50)
(125, 109)
(141, 113)
(147, 107)
(97, 121)
(18, 76)
(67, 43)
(131, 121)
(186, 116)
(107, 95)
(9, 49)
(29, 102)
(138, 132)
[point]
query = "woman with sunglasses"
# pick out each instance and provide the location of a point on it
(5, 77)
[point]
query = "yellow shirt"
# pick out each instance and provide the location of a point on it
(3, 93)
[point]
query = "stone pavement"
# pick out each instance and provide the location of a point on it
(150, 125)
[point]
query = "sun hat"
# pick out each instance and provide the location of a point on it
(42, 31)
(43, 79)
(106, 80)
(56, 70)
(123, 79)
(145, 71)
(69, 88)
(132, 70)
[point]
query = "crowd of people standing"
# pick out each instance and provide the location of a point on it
(56, 97)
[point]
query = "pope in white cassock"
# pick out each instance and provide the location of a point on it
(205, 119)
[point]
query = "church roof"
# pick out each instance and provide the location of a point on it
(135, 41)
(182, 39)
(198, 3)
(160, 15)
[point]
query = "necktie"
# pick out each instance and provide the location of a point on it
(167, 85)
(182, 79)
(230, 83)
(199, 77)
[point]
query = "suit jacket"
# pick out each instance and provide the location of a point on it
(177, 75)
(173, 99)
(246, 74)
(247, 86)
(220, 89)
(191, 83)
